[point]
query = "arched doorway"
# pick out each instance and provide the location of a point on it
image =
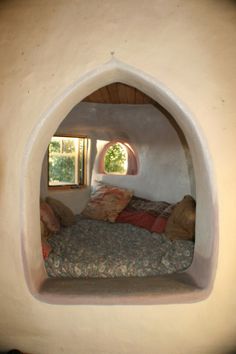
(196, 283)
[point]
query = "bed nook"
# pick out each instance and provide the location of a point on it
(117, 190)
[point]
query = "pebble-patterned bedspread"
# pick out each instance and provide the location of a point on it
(92, 248)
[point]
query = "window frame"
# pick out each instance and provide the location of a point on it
(82, 182)
(132, 159)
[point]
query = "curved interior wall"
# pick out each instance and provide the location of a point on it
(165, 170)
(202, 270)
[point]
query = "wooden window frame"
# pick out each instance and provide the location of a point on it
(82, 182)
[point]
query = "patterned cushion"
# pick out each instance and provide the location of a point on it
(107, 202)
(167, 211)
(46, 248)
(160, 223)
(48, 217)
(152, 207)
(64, 214)
(45, 233)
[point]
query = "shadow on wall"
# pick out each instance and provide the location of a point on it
(184, 143)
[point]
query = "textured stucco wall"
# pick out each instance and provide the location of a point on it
(164, 171)
(46, 47)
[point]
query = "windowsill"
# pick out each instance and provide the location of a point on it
(114, 174)
(66, 187)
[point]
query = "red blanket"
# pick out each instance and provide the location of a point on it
(143, 219)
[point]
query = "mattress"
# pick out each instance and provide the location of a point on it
(98, 249)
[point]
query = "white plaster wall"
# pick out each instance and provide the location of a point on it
(164, 172)
(45, 48)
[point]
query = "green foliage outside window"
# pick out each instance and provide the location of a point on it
(54, 146)
(62, 169)
(115, 159)
(62, 161)
(68, 146)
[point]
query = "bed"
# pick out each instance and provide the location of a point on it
(100, 249)
(117, 235)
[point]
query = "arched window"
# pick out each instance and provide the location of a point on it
(118, 158)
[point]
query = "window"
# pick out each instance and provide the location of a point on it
(116, 159)
(66, 161)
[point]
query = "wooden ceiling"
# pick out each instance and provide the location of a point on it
(118, 93)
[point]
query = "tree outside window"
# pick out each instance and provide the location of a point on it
(116, 159)
(66, 161)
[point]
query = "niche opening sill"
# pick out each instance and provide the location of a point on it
(163, 289)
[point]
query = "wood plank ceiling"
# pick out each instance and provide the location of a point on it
(119, 93)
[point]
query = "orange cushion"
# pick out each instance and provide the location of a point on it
(181, 223)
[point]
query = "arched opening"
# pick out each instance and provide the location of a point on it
(117, 157)
(192, 285)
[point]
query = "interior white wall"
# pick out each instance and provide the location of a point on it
(165, 171)
(187, 45)
(165, 168)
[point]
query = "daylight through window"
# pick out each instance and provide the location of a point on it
(116, 159)
(66, 161)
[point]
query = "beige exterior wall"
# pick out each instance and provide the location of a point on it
(47, 46)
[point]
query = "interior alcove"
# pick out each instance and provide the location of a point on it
(192, 285)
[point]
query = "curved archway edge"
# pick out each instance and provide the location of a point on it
(193, 285)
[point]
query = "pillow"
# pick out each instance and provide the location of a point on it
(45, 233)
(160, 222)
(181, 223)
(152, 207)
(46, 248)
(48, 217)
(107, 202)
(137, 218)
(64, 214)
(159, 225)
